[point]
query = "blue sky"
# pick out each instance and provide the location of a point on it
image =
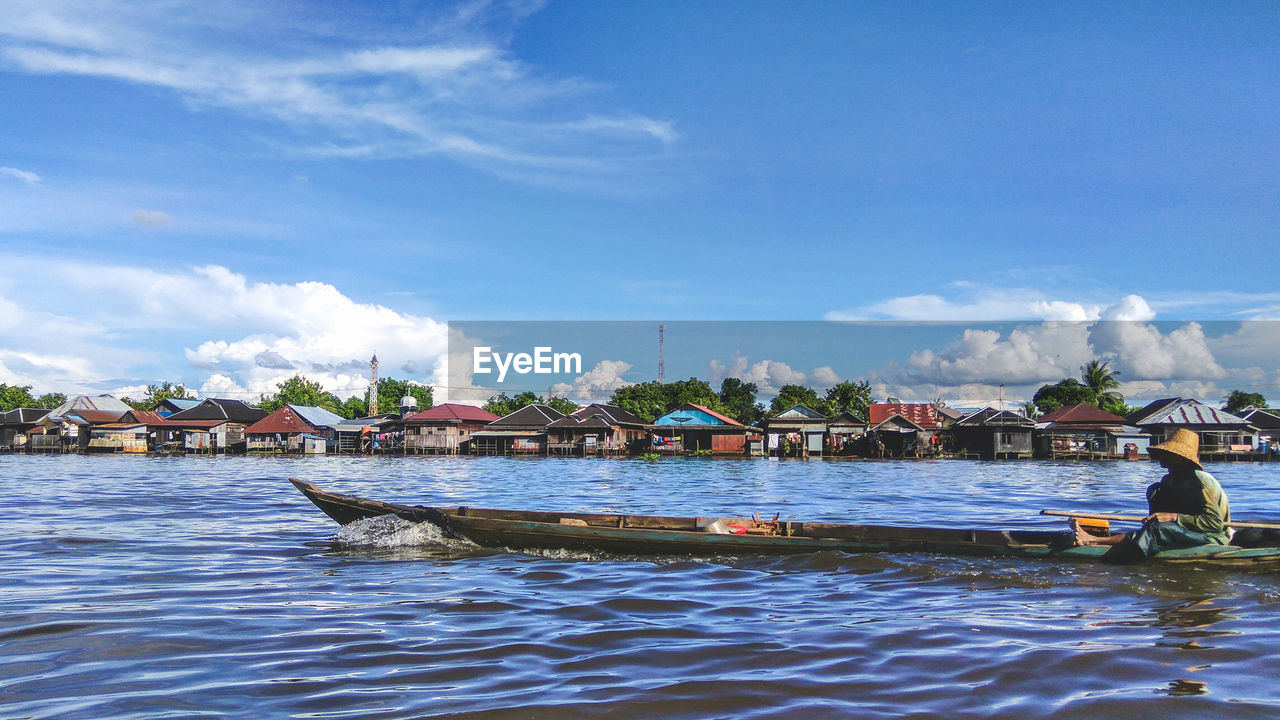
(224, 193)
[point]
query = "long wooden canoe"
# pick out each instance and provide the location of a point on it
(650, 534)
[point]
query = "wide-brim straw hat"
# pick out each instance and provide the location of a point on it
(1184, 443)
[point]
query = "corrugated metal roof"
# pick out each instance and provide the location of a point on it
(619, 416)
(688, 413)
(294, 419)
(220, 409)
(599, 420)
(1184, 411)
(993, 417)
(149, 417)
(800, 411)
(950, 413)
(1080, 413)
(897, 423)
(452, 412)
(727, 420)
(924, 415)
(181, 403)
(318, 417)
(95, 417)
(195, 424)
(23, 416)
(506, 433)
(1262, 419)
(90, 403)
(1113, 429)
(529, 416)
(1140, 417)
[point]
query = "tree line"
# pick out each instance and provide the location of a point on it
(1098, 385)
(736, 399)
(297, 390)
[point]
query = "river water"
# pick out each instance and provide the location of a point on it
(137, 587)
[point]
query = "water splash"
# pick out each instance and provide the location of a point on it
(388, 531)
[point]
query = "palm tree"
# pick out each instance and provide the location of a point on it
(1030, 410)
(1101, 379)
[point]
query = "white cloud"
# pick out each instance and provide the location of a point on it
(825, 376)
(1030, 354)
(596, 385)
(980, 304)
(257, 332)
(221, 386)
(967, 302)
(1151, 362)
(47, 370)
(1131, 308)
(768, 375)
(961, 395)
(459, 93)
(1139, 350)
(151, 219)
(25, 176)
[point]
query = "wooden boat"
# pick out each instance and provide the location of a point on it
(650, 534)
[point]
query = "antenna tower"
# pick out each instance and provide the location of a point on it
(662, 370)
(373, 385)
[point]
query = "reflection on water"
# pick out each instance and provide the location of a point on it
(185, 587)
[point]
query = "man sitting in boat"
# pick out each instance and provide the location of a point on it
(1188, 507)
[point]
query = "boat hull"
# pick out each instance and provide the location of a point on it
(659, 535)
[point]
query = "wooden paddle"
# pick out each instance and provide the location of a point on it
(1142, 518)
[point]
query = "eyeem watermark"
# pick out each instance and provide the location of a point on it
(542, 362)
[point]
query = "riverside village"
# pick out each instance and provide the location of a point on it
(1083, 419)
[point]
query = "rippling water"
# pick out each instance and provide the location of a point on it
(207, 587)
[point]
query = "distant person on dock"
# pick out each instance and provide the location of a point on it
(1188, 507)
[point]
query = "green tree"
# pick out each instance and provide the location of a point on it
(298, 390)
(653, 399)
(166, 390)
(1117, 407)
(739, 401)
(354, 407)
(135, 404)
(792, 395)
(564, 406)
(1240, 400)
(851, 397)
(1063, 393)
(501, 405)
(390, 392)
(1030, 410)
(1101, 379)
(15, 396)
(694, 391)
(648, 400)
(157, 394)
(49, 401)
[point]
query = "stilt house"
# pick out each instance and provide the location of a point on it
(444, 429)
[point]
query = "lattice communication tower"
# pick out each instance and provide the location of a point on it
(662, 370)
(373, 385)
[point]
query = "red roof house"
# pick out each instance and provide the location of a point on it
(444, 429)
(923, 414)
(1081, 413)
(452, 412)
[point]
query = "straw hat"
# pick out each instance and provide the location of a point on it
(1184, 444)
